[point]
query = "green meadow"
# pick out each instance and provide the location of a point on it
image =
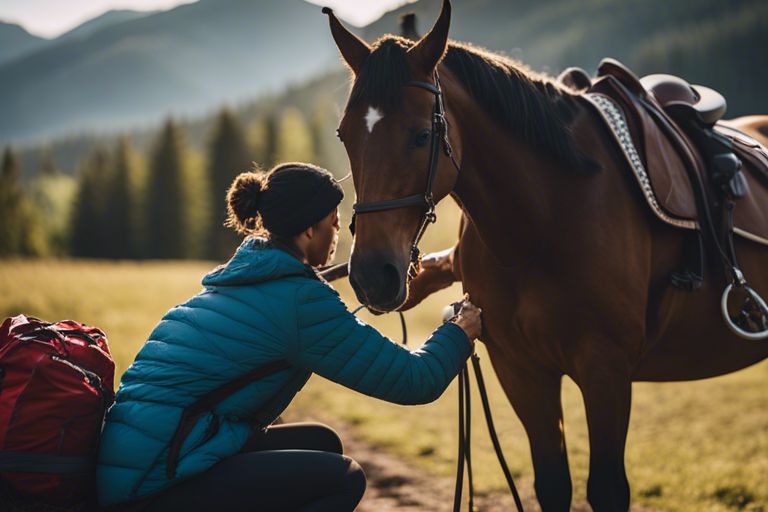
(692, 446)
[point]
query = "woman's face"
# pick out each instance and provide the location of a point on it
(322, 247)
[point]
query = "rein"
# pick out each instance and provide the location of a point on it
(465, 409)
(465, 421)
(465, 430)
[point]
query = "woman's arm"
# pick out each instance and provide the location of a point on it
(335, 344)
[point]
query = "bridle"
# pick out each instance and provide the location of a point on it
(438, 138)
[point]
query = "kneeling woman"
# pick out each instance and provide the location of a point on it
(267, 312)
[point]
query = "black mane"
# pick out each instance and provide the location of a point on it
(529, 105)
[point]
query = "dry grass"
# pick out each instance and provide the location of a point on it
(692, 446)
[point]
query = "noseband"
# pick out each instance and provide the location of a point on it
(439, 136)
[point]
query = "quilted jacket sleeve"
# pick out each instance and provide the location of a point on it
(333, 343)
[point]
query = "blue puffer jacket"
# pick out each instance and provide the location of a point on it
(263, 305)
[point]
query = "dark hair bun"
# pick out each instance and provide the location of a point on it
(243, 200)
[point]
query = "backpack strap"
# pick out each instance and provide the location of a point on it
(208, 401)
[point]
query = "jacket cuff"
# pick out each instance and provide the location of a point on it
(455, 333)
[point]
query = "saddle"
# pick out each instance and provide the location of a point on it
(695, 172)
(694, 161)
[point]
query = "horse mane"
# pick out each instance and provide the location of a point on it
(530, 105)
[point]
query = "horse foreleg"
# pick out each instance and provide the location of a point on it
(534, 393)
(607, 390)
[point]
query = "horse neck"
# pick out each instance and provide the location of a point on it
(505, 187)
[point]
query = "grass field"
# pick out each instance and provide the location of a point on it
(692, 446)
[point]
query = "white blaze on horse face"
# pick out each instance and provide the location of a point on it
(373, 116)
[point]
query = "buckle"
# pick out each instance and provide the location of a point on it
(438, 119)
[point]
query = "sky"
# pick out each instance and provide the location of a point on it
(50, 18)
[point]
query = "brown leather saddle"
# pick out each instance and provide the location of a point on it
(657, 109)
(694, 171)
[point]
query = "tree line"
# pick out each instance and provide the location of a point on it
(165, 203)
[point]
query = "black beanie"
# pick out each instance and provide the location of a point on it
(297, 196)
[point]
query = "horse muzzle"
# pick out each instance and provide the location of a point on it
(379, 281)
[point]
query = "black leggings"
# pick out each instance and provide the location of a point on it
(291, 467)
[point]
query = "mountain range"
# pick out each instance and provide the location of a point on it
(126, 69)
(15, 42)
(184, 61)
(102, 21)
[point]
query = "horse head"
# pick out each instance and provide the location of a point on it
(387, 129)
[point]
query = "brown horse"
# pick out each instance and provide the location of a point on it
(557, 245)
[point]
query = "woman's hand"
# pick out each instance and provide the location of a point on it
(469, 318)
(435, 273)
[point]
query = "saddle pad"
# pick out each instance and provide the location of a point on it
(672, 201)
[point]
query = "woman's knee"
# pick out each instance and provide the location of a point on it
(354, 480)
(324, 438)
(296, 436)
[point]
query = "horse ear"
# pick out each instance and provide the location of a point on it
(429, 50)
(353, 49)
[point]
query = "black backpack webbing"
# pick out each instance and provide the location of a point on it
(207, 402)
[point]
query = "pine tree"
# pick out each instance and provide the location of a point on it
(227, 157)
(271, 130)
(294, 138)
(89, 229)
(329, 152)
(21, 233)
(165, 229)
(257, 143)
(119, 207)
(47, 165)
(317, 131)
(52, 195)
(10, 201)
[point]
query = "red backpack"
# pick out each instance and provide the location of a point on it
(56, 382)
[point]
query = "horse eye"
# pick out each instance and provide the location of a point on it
(422, 138)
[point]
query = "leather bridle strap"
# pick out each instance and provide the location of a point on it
(438, 138)
(390, 204)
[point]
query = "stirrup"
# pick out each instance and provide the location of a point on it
(758, 302)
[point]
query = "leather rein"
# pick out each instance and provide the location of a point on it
(334, 272)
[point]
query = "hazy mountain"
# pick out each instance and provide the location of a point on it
(706, 41)
(186, 60)
(100, 22)
(192, 58)
(15, 41)
(559, 33)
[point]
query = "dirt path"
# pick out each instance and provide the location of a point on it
(394, 485)
(397, 486)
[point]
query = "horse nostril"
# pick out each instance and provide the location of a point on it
(376, 283)
(358, 288)
(390, 281)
